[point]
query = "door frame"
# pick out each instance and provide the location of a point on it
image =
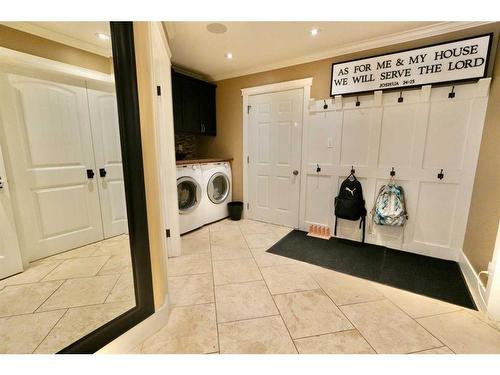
(305, 84)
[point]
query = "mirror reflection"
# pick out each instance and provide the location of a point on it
(65, 261)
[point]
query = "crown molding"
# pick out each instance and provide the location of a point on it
(387, 40)
(42, 32)
(23, 60)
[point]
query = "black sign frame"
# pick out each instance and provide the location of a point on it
(457, 81)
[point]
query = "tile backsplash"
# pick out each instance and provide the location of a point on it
(186, 144)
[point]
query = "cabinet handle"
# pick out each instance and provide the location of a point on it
(102, 172)
(203, 128)
(1, 183)
(90, 174)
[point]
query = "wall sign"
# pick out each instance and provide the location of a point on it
(459, 60)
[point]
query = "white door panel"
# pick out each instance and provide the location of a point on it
(275, 136)
(107, 148)
(49, 142)
(10, 255)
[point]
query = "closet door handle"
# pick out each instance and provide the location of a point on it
(1, 183)
(90, 174)
(102, 172)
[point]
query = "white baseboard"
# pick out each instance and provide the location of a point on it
(471, 278)
(136, 335)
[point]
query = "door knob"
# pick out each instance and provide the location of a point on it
(295, 172)
(90, 173)
(102, 172)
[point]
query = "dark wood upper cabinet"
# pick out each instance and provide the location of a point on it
(194, 105)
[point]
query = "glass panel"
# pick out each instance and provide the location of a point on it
(220, 188)
(186, 195)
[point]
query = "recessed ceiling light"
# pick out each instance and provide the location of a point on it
(102, 36)
(229, 55)
(314, 31)
(217, 28)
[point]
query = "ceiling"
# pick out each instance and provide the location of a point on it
(76, 34)
(261, 46)
(255, 46)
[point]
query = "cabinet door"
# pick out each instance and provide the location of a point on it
(177, 83)
(207, 109)
(190, 106)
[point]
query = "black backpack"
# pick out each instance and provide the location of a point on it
(349, 204)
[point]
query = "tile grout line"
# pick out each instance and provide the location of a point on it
(213, 285)
(50, 330)
(344, 315)
(272, 297)
(416, 321)
(246, 319)
(420, 351)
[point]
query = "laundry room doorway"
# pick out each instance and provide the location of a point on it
(273, 123)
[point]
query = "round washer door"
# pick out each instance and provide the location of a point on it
(188, 194)
(218, 188)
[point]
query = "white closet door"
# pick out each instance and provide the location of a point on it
(108, 159)
(49, 142)
(275, 136)
(10, 255)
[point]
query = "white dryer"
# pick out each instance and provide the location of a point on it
(218, 190)
(191, 194)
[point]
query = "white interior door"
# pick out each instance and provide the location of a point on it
(10, 255)
(108, 160)
(275, 136)
(49, 147)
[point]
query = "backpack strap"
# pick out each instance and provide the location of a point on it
(335, 227)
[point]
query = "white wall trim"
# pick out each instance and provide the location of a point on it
(42, 32)
(387, 40)
(27, 61)
(305, 84)
(137, 334)
(280, 86)
(471, 278)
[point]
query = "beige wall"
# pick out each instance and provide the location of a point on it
(34, 45)
(485, 205)
(229, 140)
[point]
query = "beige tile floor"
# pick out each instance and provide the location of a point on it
(229, 296)
(60, 299)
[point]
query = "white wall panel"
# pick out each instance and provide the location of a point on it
(446, 134)
(397, 135)
(356, 135)
(426, 132)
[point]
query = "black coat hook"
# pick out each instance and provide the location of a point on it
(352, 169)
(451, 95)
(392, 172)
(441, 175)
(400, 99)
(325, 106)
(357, 102)
(318, 168)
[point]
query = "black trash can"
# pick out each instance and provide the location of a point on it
(235, 209)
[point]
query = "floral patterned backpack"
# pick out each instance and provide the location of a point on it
(390, 206)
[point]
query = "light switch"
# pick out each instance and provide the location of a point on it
(330, 142)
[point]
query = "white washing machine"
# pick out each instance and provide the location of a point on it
(218, 190)
(191, 193)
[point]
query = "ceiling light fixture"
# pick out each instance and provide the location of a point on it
(102, 36)
(229, 55)
(314, 31)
